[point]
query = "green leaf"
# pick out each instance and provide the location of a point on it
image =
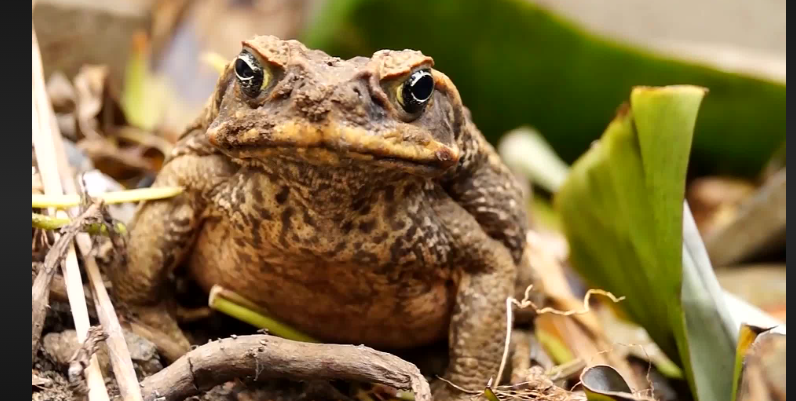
(710, 328)
(630, 232)
(527, 152)
(517, 64)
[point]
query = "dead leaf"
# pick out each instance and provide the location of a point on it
(64, 101)
(119, 163)
(550, 271)
(593, 350)
(62, 93)
(714, 200)
(763, 377)
(89, 86)
(636, 340)
(762, 285)
(604, 382)
(758, 226)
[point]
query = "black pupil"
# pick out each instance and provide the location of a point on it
(243, 70)
(249, 73)
(421, 85)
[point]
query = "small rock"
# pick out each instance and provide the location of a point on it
(61, 346)
(143, 353)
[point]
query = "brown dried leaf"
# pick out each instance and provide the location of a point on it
(715, 199)
(757, 227)
(64, 101)
(549, 266)
(593, 350)
(90, 85)
(763, 377)
(62, 93)
(119, 163)
(636, 341)
(762, 285)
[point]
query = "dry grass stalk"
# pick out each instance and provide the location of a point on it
(44, 130)
(52, 158)
(122, 364)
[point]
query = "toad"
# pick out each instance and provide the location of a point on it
(354, 200)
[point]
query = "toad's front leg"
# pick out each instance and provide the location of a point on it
(161, 235)
(478, 324)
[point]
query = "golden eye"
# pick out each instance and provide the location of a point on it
(252, 77)
(415, 93)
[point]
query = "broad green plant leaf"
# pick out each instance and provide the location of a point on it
(517, 64)
(630, 232)
(710, 328)
(526, 151)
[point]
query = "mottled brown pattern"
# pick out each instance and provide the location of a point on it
(323, 200)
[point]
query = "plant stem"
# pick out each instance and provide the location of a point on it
(54, 223)
(256, 318)
(130, 195)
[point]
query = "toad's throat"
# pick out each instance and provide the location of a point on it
(331, 143)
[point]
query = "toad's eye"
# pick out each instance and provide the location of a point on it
(252, 77)
(416, 91)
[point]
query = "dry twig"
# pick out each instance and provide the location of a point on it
(44, 132)
(57, 174)
(41, 286)
(58, 290)
(81, 359)
(123, 368)
(262, 357)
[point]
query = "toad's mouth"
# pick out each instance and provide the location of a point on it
(332, 144)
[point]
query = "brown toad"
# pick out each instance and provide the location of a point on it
(353, 199)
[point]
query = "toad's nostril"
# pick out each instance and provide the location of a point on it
(358, 92)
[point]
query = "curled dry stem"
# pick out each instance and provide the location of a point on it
(263, 357)
(526, 302)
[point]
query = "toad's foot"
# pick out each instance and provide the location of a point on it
(158, 325)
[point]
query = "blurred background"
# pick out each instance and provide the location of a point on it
(561, 67)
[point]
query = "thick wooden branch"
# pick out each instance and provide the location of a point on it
(262, 357)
